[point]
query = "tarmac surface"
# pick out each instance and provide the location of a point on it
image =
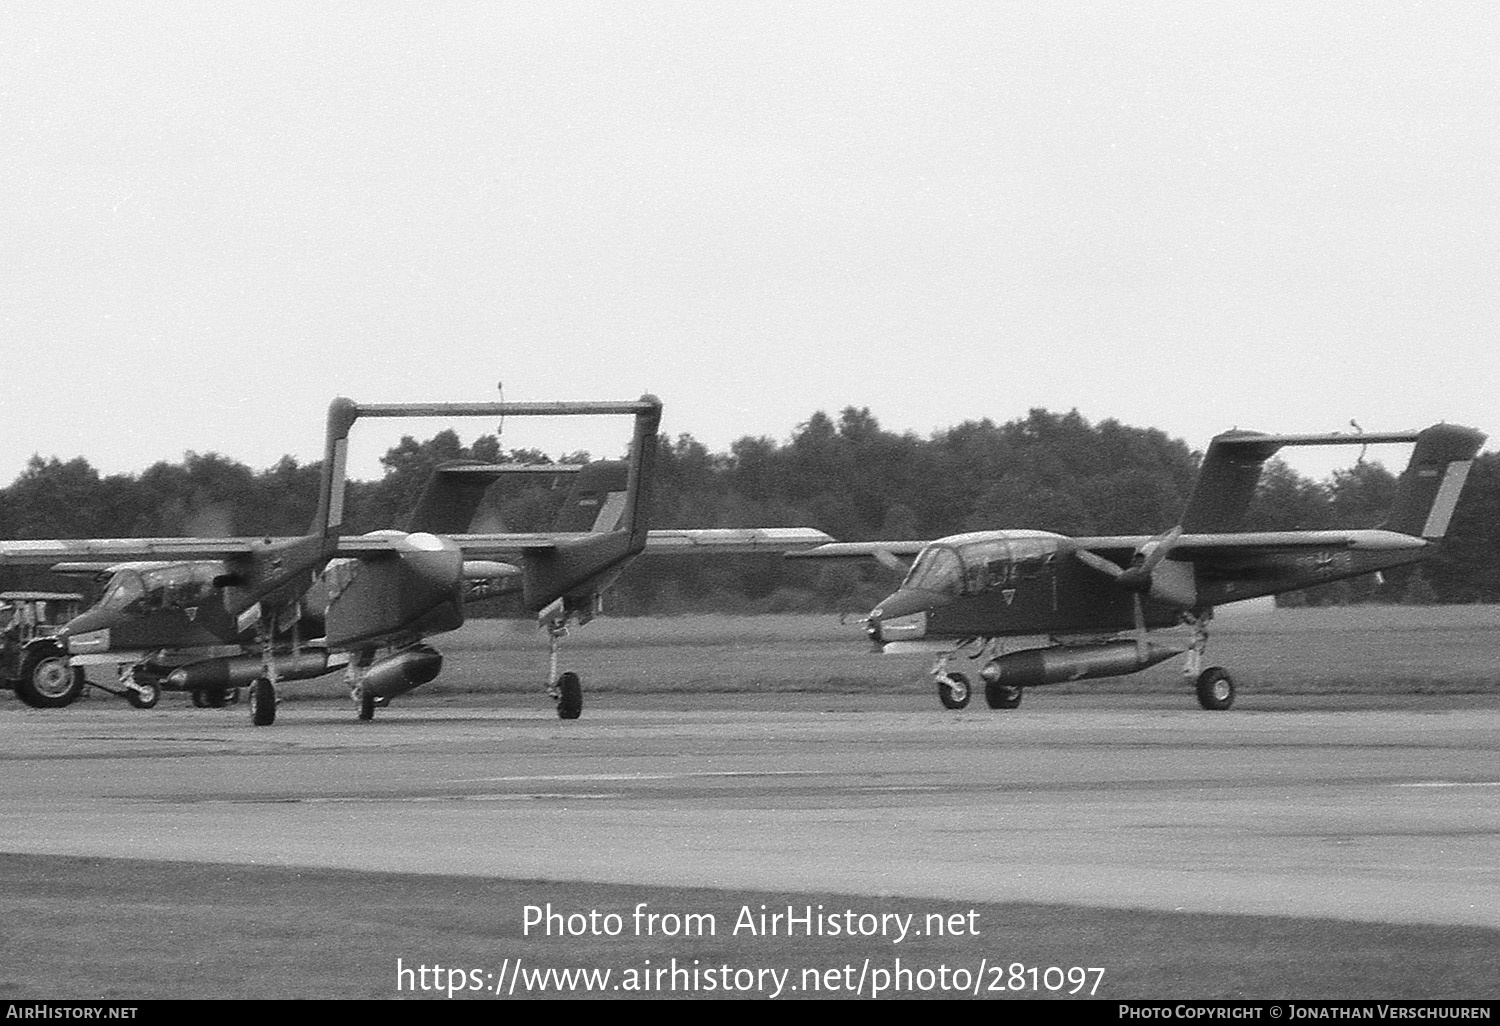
(1353, 808)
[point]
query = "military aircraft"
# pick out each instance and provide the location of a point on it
(1097, 600)
(211, 616)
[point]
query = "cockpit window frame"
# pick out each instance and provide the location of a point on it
(938, 568)
(169, 586)
(982, 564)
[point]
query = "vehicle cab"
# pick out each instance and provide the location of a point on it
(31, 662)
(25, 615)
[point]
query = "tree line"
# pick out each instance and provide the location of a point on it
(847, 476)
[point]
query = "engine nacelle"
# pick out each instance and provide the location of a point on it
(1063, 663)
(416, 591)
(402, 671)
(239, 671)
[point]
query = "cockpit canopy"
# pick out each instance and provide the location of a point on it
(973, 563)
(162, 586)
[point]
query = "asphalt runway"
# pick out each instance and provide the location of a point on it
(1384, 811)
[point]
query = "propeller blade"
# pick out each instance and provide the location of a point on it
(1138, 576)
(1157, 549)
(1097, 562)
(1150, 555)
(1139, 610)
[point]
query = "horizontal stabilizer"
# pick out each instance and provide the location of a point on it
(453, 500)
(1232, 467)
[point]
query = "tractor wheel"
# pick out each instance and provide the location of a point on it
(47, 681)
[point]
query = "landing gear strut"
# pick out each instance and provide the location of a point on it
(262, 702)
(953, 688)
(354, 674)
(1214, 686)
(263, 688)
(143, 696)
(566, 690)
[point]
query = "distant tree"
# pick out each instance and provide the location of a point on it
(1287, 501)
(53, 499)
(1361, 496)
(1466, 567)
(844, 474)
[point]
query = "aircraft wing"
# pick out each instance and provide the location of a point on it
(859, 550)
(733, 539)
(661, 542)
(473, 546)
(1122, 548)
(122, 550)
(1200, 546)
(887, 553)
(91, 555)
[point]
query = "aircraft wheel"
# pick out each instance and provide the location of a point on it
(262, 702)
(200, 700)
(569, 697)
(366, 705)
(953, 691)
(1215, 688)
(145, 698)
(47, 681)
(216, 698)
(1002, 696)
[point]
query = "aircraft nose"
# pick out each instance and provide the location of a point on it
(84, 642)
(86, 633)
(901, 617)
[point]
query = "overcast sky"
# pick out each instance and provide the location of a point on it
(216, 217)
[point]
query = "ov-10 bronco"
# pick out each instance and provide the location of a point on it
(1097, 600)
(212, 616)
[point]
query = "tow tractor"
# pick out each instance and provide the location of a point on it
(32, 662)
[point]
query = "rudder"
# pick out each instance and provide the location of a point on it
(1428, 490)
(597, 501)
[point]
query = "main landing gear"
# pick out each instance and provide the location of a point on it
(566, 690)
(262, 701)
(369, 702)
(1214, 685)
(365, 698)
